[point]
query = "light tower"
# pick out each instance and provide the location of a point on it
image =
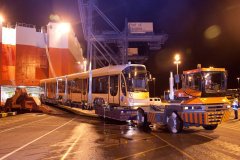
(238, 78)
(177, 62)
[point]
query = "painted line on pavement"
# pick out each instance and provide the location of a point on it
(233, 126)
(141, 152)
(20, 148)
(58, 157)
(175, 147)
(70, 148)
(16, 119)
(205, 136)
(229, 124)
(9, 129)
(110, 145)
(230, 128)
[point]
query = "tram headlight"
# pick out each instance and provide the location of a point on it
(131, 101)
(130, 95)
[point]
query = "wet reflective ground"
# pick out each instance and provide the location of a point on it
(63, 135)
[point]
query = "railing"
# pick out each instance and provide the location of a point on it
(26, 25)
(38, 29)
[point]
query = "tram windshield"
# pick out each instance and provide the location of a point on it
(136, 78)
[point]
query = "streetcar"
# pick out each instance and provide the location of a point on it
(121, 89)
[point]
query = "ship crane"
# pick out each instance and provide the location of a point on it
(99, 43)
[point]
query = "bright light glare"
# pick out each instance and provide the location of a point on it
(8, 36)
(1, 19)
(22, 86)
(85, 62)
(85, 65)
(64, 27)
(212, 32)
(177, 57)
(206, 75)
(177, 62)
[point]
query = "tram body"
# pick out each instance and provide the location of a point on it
(124, 88)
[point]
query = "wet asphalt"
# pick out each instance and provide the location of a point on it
(63, 135)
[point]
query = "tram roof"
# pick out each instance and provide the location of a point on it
(109, 70)
(210, 69)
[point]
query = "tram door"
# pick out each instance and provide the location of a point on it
(113, 90)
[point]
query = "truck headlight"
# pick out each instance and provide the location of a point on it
(193, 108)
(185, 108)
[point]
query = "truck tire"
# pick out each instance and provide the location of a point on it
(210, 127)
(174, 123)
(141, 119)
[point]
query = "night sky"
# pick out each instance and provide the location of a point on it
(187, 22)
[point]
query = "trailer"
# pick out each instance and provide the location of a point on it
(116, 91)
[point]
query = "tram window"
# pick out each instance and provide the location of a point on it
(42, 85)
(61, 86)
(94, 85)
(123, 85)
(72, 86)
(48, 87)
(100, 84)
(69, 85)
(113, 85)
(76, 85)
(52, 87)
(84, 86)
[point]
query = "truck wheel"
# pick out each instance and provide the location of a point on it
(174, 123)
(141, 119)
(210, 127)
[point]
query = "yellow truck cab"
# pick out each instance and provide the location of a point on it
(200, 102)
